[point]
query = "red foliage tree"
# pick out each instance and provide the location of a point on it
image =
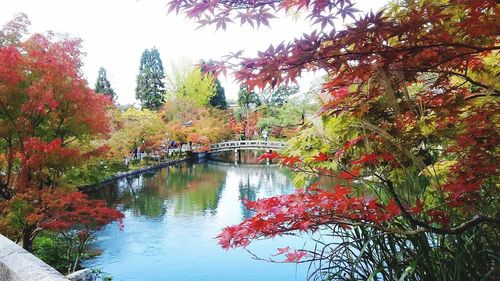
(418, 83)
(75, 217)
(47, 113)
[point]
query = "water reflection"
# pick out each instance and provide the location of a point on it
(173, 215)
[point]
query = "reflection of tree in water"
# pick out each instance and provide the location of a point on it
(260, 182)
(195, 189)
(107, 192)
(190, 189)
(140, 195)
(246, 192)
(186, 189)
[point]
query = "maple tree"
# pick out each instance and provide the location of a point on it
(408, 128)
(72, 215)
(50, 122)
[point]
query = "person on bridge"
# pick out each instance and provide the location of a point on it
(264, 135)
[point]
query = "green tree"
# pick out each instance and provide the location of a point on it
(137, 128)
(248, 99)
(150, 87)
(282, 120)
(248, 102)
(191, 84)
(102, 86)
(278, 97)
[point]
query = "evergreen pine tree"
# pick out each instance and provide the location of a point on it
(102, 86)
(150, 87)
(219, 99)
(142, 77)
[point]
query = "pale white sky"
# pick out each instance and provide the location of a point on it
(116, 32)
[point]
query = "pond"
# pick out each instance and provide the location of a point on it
(173, 216)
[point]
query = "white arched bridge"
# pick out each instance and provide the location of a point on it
(235, 146)
(246, 145)
(238, 146)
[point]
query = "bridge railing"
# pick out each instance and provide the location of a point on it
(247, 144)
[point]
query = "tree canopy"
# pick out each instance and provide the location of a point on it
(219, 99)
(191, 83)
(248, 99)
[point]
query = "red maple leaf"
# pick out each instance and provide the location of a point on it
(295, 256)
(320, 157)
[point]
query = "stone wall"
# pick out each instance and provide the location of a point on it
(17, 264)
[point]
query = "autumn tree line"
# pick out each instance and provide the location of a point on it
(188, 106)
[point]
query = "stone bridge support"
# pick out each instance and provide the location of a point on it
(237, 156)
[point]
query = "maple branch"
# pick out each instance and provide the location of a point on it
(468, 79)
(386, 50)
(465, 77)
(11, 119)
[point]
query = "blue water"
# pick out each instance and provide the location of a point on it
(173, 216)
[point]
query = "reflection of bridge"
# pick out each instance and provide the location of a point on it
(237, 146)
(247, 145)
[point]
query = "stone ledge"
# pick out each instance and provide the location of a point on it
(81, 275)
(17, 264)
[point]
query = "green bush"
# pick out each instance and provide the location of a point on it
(135, 162)
(52, 250)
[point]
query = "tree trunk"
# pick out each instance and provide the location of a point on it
(77, 260)
(68, 256)
(27, 238)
